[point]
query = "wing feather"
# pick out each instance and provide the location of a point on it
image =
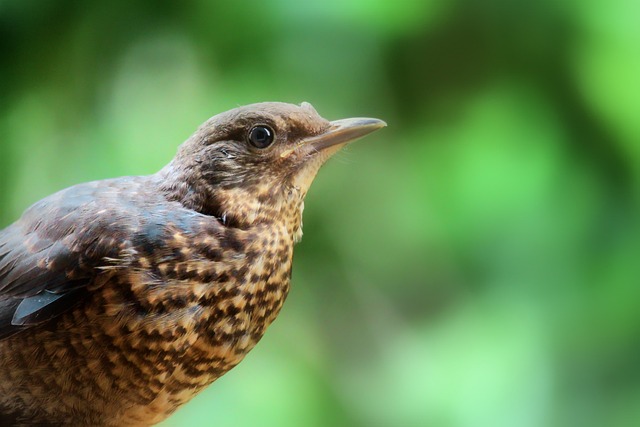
(61, 244)
(51, 254)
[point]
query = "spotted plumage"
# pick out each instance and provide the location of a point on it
(122, 299)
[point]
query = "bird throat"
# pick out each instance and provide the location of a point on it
(261, 206)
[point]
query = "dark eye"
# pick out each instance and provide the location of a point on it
(261, 136)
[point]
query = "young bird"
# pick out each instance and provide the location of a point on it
(121, 299)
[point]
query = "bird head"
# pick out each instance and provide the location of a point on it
(250, 163)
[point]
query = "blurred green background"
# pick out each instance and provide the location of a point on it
(473, 264)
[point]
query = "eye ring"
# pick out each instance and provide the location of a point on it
(261, 136)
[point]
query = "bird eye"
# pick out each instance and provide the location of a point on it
(261, 136)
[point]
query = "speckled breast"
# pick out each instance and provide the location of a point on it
(152, 335)
(210, 311)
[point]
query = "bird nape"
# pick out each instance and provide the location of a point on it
(121, 299)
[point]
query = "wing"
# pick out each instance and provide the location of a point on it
(52, 253)
(38, 277)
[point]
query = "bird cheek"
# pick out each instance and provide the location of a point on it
(306, 173)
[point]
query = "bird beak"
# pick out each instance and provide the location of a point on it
(315, 150)
(343, 131)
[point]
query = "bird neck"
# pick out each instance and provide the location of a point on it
(260, 206)
(243, 207)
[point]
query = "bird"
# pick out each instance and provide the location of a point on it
(121, 299)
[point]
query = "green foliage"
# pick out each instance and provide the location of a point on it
(473, 264)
